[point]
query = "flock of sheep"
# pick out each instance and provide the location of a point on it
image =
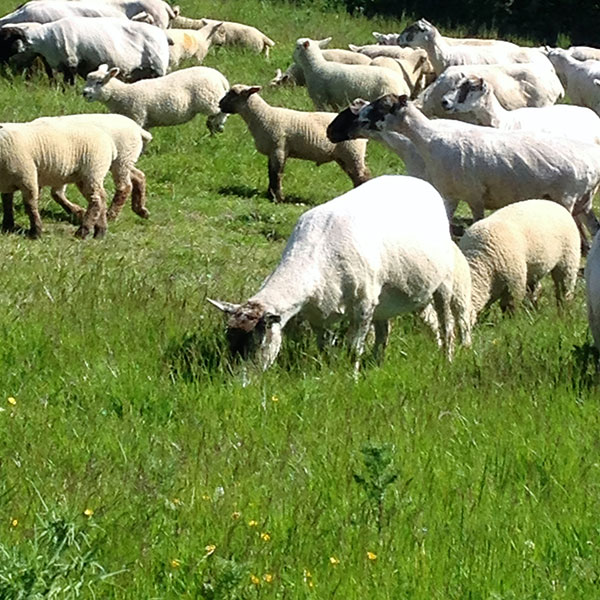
(472, 119)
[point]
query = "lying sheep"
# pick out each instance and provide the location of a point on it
(77, 45)
(584, 53)
(423, 34)
(129, 139)
(334, 84)
(282, 133)
(475, 100)
(515, 86)
(170, 100)
(35, 155)
(191, 44)
(488, 168)
(511, 250)
(592, 284)
(377, 251)
(231, 34)
(577, 77)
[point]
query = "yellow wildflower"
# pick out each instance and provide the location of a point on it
(175, 563)
(268, 577)
(252, 523)
(236, 515)
(274, 399)
(265, 536)
(210, 549)
(371, 556)
(334, 561)
(205, 497)
(14, 522)
(176, 501)
(12, 401)
(88, 512)
(254, 579)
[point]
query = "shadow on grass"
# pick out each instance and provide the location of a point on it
(584, 361)
(243, 191)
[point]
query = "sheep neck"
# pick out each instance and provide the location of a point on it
(118, 95)
(256, 113)
(415, 126)
(490, 112)
(437, 50)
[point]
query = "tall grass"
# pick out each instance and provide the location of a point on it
(135, 464)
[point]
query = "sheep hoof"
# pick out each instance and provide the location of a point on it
(99, 232)
(143, 212)
(82, 232)
(34, 234)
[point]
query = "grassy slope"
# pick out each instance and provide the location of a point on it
(124, 405)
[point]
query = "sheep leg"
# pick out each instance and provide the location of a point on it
(585, 243)
(382, 334)
(58, 194)
(276, 164)
(462, 318)
(216, 123)
(564, 278)
(358, 173)
(95, 215)
(360, 324)
(442, 305)
(138, 193)
(429, 317)
(30, 200)
(123, 187)
(8, 215)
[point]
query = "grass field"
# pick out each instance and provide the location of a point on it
(135, 465)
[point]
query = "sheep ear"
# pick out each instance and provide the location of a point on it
(112, 73)
(356, 105)
(400, 103)
(271, 319)
(252, 90)
(176, 10)
(306, 44)
(354, 48)
(324, 42)
(227, 307)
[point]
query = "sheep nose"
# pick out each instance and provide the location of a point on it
(445, 103)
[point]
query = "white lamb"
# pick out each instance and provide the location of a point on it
(335, 85)
(170, 100)
(489, 168)
(191, 44)
(592, 283)
(377, 251)
(511, 250)
(577, 77)
(231, 34)
(475, 100)
(515, 86)
(129, 139)
(35, 155)
(423, 34)
(282, 133)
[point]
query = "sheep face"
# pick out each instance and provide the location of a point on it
(13, 40)
(417, 35)
(466, 96)
(375, 116)
(235, 99)
(386, 39)
(346, 125)
(95, 83)
(253, 333)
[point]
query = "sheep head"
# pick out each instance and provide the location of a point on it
(373, 116)
(253, 333)
(466, 96)
(235, 99)
(96, 81)
(417, 34)
(346, 125)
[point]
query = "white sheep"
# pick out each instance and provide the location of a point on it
(129, 139)
(393, 39)
(592, 283)
(35, 155)
(230, 34)
(191, 44)
(577, 77)
(77, 45)
(282, 133)
(170, 100)
(379, 250)
(510, 251)
(423, 34)
(157, 12)
(335, 84)
(489, 168)
(515, 86)
(584, 53)
(474, 98)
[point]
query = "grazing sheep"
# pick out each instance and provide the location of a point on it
(130, 139)
(294, 75)
(170, 100)
(77, 45)
(511, 250)
(474, 99)
(584, 53)
(488, 168)
(231, 34)
(377, 251)
(282, 133)
(35, 155)
(577, 77)
(191, 44)
(592, 284)
(515, 86)
(423, 34)
(334, 84)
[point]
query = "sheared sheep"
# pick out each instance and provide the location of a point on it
(511, 250)
(170, 100)
(379, 250)
(282, 133)
(191, 44)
